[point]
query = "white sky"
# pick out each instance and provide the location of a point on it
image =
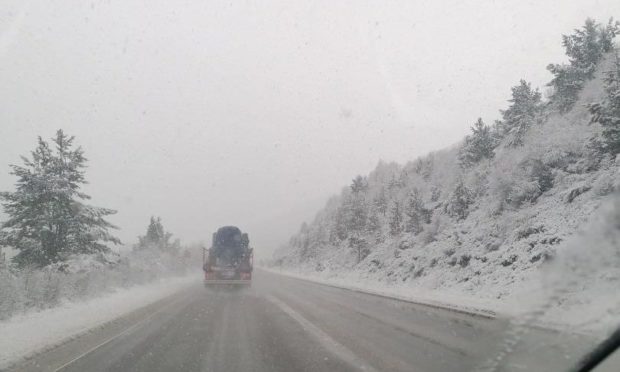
(253, 113)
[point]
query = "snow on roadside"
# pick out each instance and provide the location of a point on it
(435, 298)
(25, 334)
(580, 287)
(577, 290)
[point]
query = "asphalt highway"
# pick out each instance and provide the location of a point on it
(286, 324)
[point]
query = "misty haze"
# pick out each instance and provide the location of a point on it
(310, 186)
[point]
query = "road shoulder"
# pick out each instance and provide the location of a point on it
(26, 337)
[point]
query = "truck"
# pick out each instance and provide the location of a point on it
(229, 261)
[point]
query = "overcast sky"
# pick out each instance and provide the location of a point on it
(209, 113)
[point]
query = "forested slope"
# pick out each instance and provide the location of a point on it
(480, 216)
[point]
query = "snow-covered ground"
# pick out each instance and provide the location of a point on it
(578, 290)
(28, 333)
(83, 277)
(514, 249)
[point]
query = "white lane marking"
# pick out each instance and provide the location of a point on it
(149, 317)
(330, 344)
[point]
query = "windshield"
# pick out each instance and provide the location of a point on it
(308, 185)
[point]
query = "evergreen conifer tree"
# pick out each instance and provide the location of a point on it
(412, 224)
(381, 202)
(584, 48)
(48, 221)
(359, 185)
(479, 145)
(459, 201)
(607, 113)
(157, 238)
(396, 220)
(523, 112)
(374, 223)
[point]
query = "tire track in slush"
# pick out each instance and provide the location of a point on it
(327, 341)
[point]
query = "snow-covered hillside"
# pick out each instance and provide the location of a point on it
(479, 229)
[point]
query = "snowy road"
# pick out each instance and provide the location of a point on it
(285, 324)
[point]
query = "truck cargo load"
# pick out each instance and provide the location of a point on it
(230, 258)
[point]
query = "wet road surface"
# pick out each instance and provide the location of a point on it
(286, 324)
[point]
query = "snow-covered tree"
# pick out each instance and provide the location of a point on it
(396, 219)
(412, 223)
(607, 113)
(584, 48)
(460, 199)
(302, 241)
(424, 166)
(497, 131)
(381, 202)
(359, 185)
(360, 246)
(47, 220)
(357, 214)
(435, 193)
(155, 233)
(157, 238)
(478, 145)
(338, 231)
(524, 111)
(540, 173)
(373, 226)
(416, 203)
(395, 183)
